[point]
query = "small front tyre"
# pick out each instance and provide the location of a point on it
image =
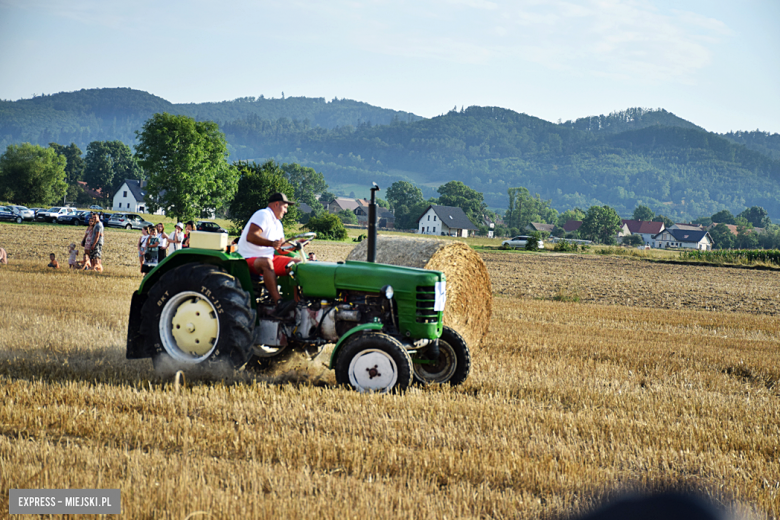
(451, 366)
(374, 362)
(195, 314)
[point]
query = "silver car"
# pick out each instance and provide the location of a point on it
(520, 242)
(26, 213)
(127, 221)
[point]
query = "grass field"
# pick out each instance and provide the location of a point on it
(658, 377)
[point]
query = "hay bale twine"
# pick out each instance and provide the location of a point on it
(469, 292)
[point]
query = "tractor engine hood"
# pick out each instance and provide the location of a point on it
(419, 293)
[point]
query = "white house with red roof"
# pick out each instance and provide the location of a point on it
(644, 228)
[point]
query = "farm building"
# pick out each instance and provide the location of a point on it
(445, 220)
(683, 238)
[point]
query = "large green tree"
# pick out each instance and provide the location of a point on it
(407, 202)
(256, 184)
(722, 237)
(186, 161)
(525, 208)
(643, 213)
(601, 224)
(307, 184)
(458, 195)
(403, 193)
(757, 216)
(724, 216)
(108, 164)
(32, 174)
(74, 169)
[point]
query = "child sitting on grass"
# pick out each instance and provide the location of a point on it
(53, 262)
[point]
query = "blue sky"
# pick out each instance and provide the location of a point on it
(714, 62)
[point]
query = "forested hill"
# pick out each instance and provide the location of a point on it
(116, 113)
(630, 119)
(681, 171)
(636, 156)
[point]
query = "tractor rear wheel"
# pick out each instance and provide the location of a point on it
(374, 362)
(197, 314)
(453, 364)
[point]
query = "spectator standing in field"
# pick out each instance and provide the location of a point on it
(3, 256)
(95, 231)
(86, 242)
(53, 262)
(142, 246)
(162, 252)
(152, 247)
(189, 229)
(72, 252)
(177, 238)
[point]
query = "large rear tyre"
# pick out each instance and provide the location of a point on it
(197, 314)
(374, 362)
(452, 366)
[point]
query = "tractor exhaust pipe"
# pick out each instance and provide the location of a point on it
(371, 251)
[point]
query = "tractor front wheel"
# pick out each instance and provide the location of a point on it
(451, 366)
(195, 314)
(374, 362)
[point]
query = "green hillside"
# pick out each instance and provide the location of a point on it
(116, 113)
(681, 171)
(634, 156)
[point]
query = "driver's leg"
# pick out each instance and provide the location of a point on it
(266, 266)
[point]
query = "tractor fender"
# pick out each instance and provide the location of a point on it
(351, 332)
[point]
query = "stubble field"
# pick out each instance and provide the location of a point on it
(659, 377)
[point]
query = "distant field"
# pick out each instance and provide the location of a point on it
(659, 377)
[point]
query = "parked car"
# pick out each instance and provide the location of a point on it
(51, 214)
(127, 221)
(26, 213)
(72, 217)
(212, 227)
(520, 242)
(95, 206)
(7, 214)
(84, 218)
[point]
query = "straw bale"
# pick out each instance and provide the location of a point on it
(469, 291)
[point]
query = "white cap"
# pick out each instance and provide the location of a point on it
(179, 225)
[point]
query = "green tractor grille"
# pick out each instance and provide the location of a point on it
(426, 297)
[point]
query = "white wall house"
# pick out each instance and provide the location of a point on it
(683, 238)
(445, 220)
(130, 198)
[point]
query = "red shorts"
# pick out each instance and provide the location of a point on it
(280, 265)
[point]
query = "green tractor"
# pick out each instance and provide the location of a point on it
(201, 305)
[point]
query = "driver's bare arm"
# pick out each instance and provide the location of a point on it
(254, 236)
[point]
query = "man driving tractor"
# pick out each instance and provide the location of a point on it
(261, 237)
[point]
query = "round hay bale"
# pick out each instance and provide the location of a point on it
(469, 292)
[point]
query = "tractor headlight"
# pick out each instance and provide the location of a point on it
(387, 292)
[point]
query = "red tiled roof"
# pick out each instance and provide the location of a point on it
(572, 225)
(644, 226)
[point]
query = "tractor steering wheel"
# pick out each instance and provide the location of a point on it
(291, 244)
